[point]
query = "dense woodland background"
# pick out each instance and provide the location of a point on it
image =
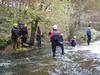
(71, 16)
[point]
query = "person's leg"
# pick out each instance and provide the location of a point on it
(25, 39)
(89, 40)
(39, 41)
(14, 43)
(53, 48)
(17, 42)
(62, 48)
(22, 39)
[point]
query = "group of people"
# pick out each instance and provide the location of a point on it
(19, 31)
(56, 37)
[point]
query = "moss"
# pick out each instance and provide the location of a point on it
(22, 49)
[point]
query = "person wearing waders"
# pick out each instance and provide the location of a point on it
(73, 41)
(38, 36)
(56, 40)
(88, 32)
(14, 35)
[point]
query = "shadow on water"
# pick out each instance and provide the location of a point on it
(40, 62)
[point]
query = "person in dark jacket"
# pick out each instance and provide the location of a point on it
(14, 36)
(23, 33)
(73, 41)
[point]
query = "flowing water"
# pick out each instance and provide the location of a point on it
(81, 60)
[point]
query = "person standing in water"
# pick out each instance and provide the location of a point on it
(56, 39)
(88, 32)
(15, 35)
(38, 36)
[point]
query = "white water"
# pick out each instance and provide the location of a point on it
(93, 47)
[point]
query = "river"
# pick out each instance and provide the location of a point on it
(80, 60)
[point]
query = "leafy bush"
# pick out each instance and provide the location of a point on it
(3, 43)
(9, 42)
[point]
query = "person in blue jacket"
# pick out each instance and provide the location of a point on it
(14, 35)
(88, 32)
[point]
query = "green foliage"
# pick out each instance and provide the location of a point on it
(9, 42)
(60, 12)
(3, 43)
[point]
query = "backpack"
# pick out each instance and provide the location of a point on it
(55, 35)
(88, 32)
(15, 32)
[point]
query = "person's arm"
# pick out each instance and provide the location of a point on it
(41, 32)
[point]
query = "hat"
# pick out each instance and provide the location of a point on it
(74, 37)
(89, 27)
(55, 27)
(15, 24)
(62, 34)
(25, 25)
(21, 23)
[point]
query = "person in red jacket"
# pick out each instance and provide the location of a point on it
(55, 36)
